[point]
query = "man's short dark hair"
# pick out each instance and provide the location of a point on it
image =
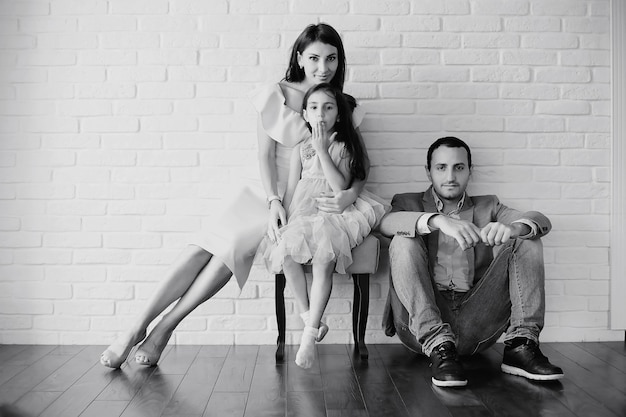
(450, 142)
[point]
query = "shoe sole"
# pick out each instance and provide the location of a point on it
(448, 384)
(512, 370)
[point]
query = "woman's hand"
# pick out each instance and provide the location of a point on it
(319, 137)
(336, 203)
(277, 219)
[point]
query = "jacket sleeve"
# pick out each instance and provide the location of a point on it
(508, 215)
(402, 220)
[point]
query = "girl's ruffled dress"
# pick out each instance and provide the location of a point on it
(312, 236)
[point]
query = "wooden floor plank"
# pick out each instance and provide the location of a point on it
(339, 382)
(64, 377)
(605, 353)
(194, 392)
(34, 402)
(30, 355)
(125, 382)
(267, 397)
(154, 396)
(214, 351)
(417, 394)
(347, 413)
(80, 395)
(226, 404)
(236, 374)
(9, 371)
(9, 410)
(28, 378)
(299, 379)
(194, 381)
(9, 351)
(379, 392)
(591, 392)
(105, 409)
(178, 360)
(75, 350)
(619, 347)
(383, 400)
(305, 404)
(611, 376)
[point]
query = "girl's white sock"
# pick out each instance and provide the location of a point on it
(306, 354)
(323, 329)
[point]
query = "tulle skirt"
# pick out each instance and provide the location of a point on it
(318, 238)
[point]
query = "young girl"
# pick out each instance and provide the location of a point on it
(329, 160)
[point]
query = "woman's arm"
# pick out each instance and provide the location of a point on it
(295, 173)
(267, 168)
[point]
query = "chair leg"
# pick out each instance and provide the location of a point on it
(279, 300)
(360, 311)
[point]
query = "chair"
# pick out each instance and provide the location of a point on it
(365, 262)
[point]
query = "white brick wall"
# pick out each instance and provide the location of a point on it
(123, 122)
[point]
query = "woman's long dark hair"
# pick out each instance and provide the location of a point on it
(346, 133)
(313, 33)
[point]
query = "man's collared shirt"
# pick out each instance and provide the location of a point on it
(451, 267)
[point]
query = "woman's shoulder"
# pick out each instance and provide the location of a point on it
(281, 93)
(293, 95)
(281, 122)
(264, 93)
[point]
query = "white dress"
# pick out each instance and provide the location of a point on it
(235, 233)
(319, 237)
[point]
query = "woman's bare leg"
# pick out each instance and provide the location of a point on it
(320, 294)
(210, 280)
(176, 282)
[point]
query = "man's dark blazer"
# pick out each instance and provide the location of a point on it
(406, 210)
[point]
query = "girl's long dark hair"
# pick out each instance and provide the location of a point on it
(346, 133)
(323, 33)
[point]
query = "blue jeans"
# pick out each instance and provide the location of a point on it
(509, 297)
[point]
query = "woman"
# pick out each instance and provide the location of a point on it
(202, 270)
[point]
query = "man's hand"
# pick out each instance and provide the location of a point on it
(496, 233)
(467, 234)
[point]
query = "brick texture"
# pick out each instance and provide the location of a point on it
(122, 123)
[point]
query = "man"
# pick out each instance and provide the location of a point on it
(464, 270)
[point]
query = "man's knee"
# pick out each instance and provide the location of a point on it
(401, 247)
(408, 258)
(531, 249)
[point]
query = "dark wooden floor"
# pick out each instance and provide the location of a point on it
(227, 381)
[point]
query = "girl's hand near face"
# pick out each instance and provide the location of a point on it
(320, 139)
